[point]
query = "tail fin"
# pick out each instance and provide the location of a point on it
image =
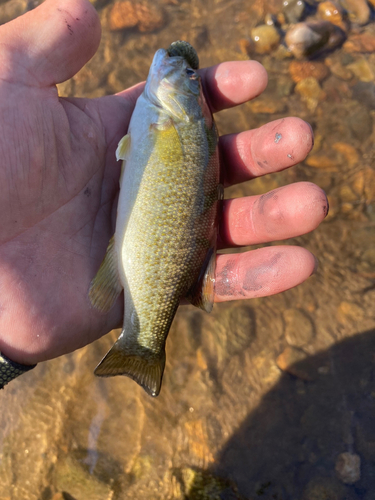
(143, 366)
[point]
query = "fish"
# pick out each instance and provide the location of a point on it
(164, 245)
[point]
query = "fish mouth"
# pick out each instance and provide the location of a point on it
(185, 50)
(161, 66)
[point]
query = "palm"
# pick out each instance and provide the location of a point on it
(58, 191)
(59, 181)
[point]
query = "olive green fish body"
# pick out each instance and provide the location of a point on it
(166, 226)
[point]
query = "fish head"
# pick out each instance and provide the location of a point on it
(175, 87)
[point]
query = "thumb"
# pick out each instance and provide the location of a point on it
(49, 44)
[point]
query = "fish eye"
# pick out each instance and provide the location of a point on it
(190, 73)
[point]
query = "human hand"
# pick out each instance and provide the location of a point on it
(59, 186)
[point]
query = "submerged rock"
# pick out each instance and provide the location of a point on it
(362, 70)
(146, 17)
(360, 42)
(338, 69)
(313, 38)
(348, 467)
(324, 488)
(299, 70)
(293, 10)
(310, 92)
(299, 330)
(265, 38)
(294, 361)
(358, 10)
(332, 12)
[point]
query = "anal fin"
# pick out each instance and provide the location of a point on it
(106, 286)
(140, 364)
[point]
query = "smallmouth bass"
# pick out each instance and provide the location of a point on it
(164, 246)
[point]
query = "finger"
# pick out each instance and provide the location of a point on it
(262, 272)
(283, 213)
(231, 83)
(226, 85)
(49, 44)
(271, 148)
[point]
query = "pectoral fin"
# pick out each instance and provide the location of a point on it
(123, 148)
(202, 293)
(106, 286)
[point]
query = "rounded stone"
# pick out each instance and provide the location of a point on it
(360, 42)
(124, 15)
(362, 70)
(310, 91)
(299, 70)
(358, 10)
(293, 361)
(265, 38)
(349, 311)
(293, 10)
(310, 39)
(332, 12)
(299, 329)
(348, 467)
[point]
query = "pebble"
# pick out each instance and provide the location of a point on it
(310, 92)
(290, 361)
(282, 52)
(369, 257)
(293, 10)
(202, 484)
(362, 70)
(348, 467)
(284, 86)
(11, 10)
(347, 195)
(364, 92)
(322, 161)
(268, 106)
(360, 123)
(299, 70)
(360, 42)
(332, 12)
(123, 15)
(299, 329)
(349, 311)
(310, 39)
(333, 207)
(324, 488)
(358, 182)
(338, 69)
(358, 10)
(348, 152)
(245, 46)
(73, 478)
(265, 38)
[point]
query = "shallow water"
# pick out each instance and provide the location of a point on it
(228, 424)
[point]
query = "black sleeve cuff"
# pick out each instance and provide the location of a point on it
(9, 370)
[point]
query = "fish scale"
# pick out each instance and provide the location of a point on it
(164, 246)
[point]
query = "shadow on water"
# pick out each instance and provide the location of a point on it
(290, 447)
